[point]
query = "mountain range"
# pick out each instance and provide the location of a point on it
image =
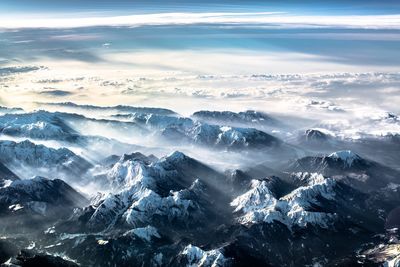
(128, 189)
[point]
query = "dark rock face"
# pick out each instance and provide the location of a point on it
(7, 250)
(160, 241)
(31, 205)
(6, 175)
(312, 135)
(272, 209)
(31, 259)
(339, 218)
(393, 219)
(318, 141)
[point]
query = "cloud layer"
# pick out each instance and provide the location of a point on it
(263, 19)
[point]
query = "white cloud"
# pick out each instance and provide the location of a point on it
(308, 94)
(270, 19)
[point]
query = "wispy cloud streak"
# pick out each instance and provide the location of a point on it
(265, 19)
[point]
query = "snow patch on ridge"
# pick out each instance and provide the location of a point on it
(150, 204)
(145, 233)
(309, 178)
(138, 198)
(198, 257)
(128, 174)
(295, 209)
(346, 156)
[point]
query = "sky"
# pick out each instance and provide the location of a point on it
(342, 6)
(203, 53)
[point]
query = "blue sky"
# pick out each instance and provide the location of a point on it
(125, 6)
(101, 50)
(347, 46)
(90, 30)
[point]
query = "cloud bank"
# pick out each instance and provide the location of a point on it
(263, 19)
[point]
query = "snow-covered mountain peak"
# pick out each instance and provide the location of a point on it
(347, 156)
(258, 197)
(294, 209)
(39, 124)
(149, 204)
(176, 156)
(248, 117)
(306, 178)
(159, 121)
(137, 156)
(125, 174)
(142, 191)
(34, 155)
(195, 256)
(307, 194)
(217, 136)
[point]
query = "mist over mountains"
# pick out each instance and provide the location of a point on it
(284, 197)
(199, 133)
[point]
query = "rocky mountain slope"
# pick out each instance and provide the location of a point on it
(298, 201)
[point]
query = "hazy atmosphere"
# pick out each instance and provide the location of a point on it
(128, 129)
